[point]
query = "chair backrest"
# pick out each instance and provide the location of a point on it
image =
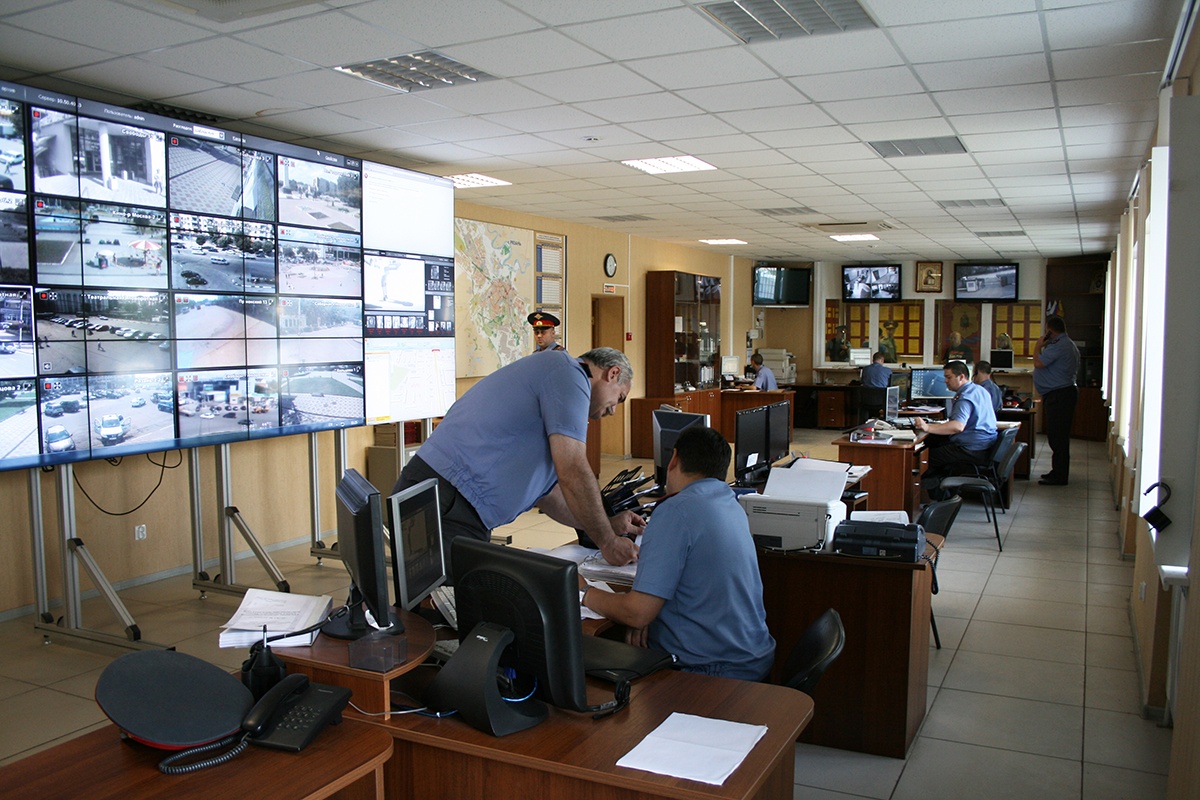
(938, 517)
(1010, 461)
(872, 400)
(818, 647)
(1004, 443)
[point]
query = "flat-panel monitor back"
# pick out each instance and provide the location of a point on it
(779, 430)
(751, 444)
(891, 406)
(667, 425)
(1001, 359)
(418, 558)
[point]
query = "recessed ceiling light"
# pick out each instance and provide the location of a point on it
(473, 180)
(722, 241)
(657, 166)
(854, 237)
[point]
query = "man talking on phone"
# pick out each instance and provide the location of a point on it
(1055, 364)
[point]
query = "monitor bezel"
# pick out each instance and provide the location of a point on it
(416, 498)
(847, 295)
(361, 547)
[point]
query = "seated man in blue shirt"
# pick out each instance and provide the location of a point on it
(698, 593)
(876, 374)
(963, 440)
(983, 377)
(764, 378)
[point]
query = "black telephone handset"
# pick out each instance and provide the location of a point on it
(293, 712)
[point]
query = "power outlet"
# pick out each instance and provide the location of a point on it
(139, 533)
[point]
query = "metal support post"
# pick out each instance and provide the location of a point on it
(38, 546)
(318, 548)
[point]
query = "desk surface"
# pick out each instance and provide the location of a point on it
(101, 765)
(571, 754)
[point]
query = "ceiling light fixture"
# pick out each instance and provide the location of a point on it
(473, 180)
(854, 237)
(722, 241)
(658, 166)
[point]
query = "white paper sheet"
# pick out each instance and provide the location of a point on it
(696, 748)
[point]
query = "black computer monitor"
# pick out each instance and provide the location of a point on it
(928, 383)
(518, 616)
(779, 431)
(1001, 359)
(360, 544)
(752, 445)
(419, 562)
(667, 425)
(891, 405)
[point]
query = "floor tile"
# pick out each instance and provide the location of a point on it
(1007, 676)
(1125, 740)
(1036, 613)
(1102, 782)
(1112, 690)
(1024, 641)
(1041, 568)
(44, 715)
(858, 774)
(1009, 723)
(941, 770)
(1114, 652)
(1055, 591)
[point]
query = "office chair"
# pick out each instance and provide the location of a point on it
(871, 402)
(818, 647)
(1004, 455)
(936, 519)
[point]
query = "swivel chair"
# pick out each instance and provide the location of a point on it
(871, 402)
(936, 519)
(818, 647)
(988, 480)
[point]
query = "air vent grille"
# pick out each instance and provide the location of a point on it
(416, 72)
(791, 211)
(933, 146)
(626, 218)
(175, 112)
(991, 202)
(768, 20)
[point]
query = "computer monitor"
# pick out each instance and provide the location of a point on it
(752, 445)
(418, 560)
(1001, 359)
(860, 356)
(779, 431)
(518, 615)
(360, 544)
(667, 425)
(891, 405)
(730, 365)
(928, 383)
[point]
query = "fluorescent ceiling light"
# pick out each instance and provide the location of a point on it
(473, 180)
(854, 237)
(657, 166)
(722, 241)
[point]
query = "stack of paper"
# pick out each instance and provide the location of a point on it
(280, 612)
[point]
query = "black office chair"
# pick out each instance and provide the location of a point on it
(988, 480)
(819, 646)
(871, 402)
(936, 519)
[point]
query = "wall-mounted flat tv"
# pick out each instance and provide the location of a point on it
(782, 286)
(870, 283)
(167, 284)
(987, 283)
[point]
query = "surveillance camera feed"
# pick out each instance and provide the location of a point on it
(167, 284)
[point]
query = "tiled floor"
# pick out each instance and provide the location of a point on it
(1033, 696)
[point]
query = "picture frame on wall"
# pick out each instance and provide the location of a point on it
(929, 276)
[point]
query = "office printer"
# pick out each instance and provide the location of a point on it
(800, 506)
(880, 540)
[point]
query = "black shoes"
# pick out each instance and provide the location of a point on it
(1052, 481)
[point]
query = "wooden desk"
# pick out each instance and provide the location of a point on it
(720, 405)
(327, 660)
(1027, 434)
(872, 699)
(894, 479)
(572, 755)
(346, 762)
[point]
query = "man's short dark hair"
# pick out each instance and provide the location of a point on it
(879, 356)
(703, 451)
(983, 366)
(958, 368)
(756, 360)
(1055, 323)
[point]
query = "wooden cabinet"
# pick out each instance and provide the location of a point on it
(833, 407)
(1077, 284)
(683, 323)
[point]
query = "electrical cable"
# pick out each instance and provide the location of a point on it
(163, 467)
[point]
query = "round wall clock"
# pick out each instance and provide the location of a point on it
(610, 265)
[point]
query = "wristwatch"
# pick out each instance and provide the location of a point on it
(582, 594)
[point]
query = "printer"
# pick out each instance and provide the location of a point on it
(800, 506)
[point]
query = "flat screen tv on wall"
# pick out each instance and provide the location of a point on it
(987, 283)
(870, 283)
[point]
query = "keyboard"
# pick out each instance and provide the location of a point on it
(444, 649)
(443, 601)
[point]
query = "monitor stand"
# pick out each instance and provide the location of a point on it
(467, 684)
(353, 624)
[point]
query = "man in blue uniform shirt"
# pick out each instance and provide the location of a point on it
(983, 377)
(1055, 363)
(764, 378)
(876, 374)
(698, 594)
(963, 440)
(517, 439)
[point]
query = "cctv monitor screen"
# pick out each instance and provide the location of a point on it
(169, 284)
(870, 283)
(991, 283)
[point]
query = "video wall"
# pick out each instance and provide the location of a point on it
(165, 284)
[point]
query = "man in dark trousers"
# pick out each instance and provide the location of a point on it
(1055, 364)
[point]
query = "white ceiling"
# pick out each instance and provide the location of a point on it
(1055, 100)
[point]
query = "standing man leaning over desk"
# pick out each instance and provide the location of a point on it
(966, 438)
(698, 594)
(517, 439)
(1055, 363)
(764, 378)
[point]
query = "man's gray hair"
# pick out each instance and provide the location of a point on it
(606, 358)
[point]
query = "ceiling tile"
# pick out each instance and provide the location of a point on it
(225, 60)
(1110, 113)
(1107, 90)
(589, 83)
(984, 72)
(547, 118)
(1013, 34)
(906, 12)
(818, 55)
(703, 69)
(40, 53)
(1012, 140)
(781, 118)
(880, 109)
(1025, 97)
(524, 54)
(1109, 23)
(858, 84)
(742, 96)
(459, 129)
(324, 83)
(329, 39)
(489, 97)
(656, 105)
(563, 12)
(116, 28)
(1111, 59)
(153, 81)
(681, 127)
(655, 33)
(1039, 119)
(396, 109)
(437, 24)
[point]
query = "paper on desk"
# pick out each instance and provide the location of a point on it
(580, 554)
(880, 516)
(858, 473)
(695, 748)
(806, 484)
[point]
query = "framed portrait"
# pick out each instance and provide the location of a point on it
(929, 276)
